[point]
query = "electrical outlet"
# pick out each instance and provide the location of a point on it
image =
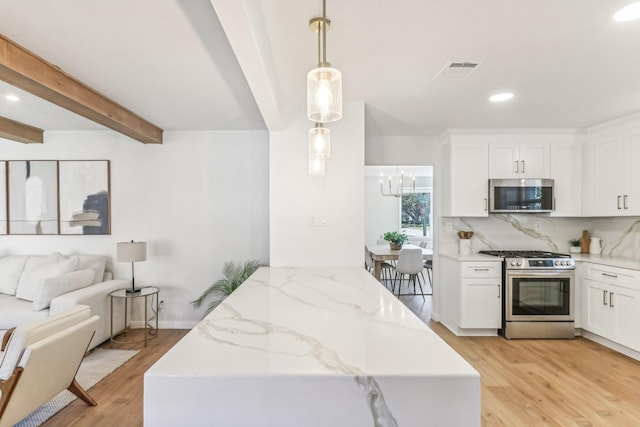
(538, 227)
(449, 227)
(161, 306)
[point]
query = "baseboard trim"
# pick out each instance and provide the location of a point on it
(611, 344)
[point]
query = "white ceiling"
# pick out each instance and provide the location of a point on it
(568, 63)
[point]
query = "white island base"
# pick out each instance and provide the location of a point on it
(311, 347)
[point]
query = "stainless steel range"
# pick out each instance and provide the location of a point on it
(539, 294)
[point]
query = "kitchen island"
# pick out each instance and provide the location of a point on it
(311, 347)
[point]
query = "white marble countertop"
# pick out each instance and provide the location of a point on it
(609, 260)
(470, 257)
(287, 321)
(311, 347)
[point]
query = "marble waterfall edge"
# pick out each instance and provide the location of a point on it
(312, 347)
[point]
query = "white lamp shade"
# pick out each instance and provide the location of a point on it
(320, 142)
(132, 251)
(324, 95)
(316, 166)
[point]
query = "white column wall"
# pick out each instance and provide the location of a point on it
(197, 200)
(336, 198)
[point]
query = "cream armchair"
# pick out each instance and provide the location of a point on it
(41, 359)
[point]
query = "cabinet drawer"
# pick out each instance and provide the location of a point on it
(481, 269)
(613, 275)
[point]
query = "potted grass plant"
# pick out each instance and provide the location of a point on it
(233, 276)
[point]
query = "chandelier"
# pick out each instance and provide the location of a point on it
(395, 187)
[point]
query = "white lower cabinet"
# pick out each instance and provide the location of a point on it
(611, 304)
(472, 300)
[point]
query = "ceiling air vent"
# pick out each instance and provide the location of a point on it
(458, 70)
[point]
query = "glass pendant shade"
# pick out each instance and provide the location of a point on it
(324, 95)
(320, 142)
(316, 166)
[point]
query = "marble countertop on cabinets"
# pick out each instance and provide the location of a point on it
(470, 257)
(313, 347)
(609, 260)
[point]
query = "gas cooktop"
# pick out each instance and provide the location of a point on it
(533, 260)
(525, 254)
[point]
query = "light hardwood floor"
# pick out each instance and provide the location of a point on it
(524, 382)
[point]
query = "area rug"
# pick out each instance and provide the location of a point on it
(96, 365)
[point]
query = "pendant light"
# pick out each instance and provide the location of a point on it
(320, 141)
(324, 83)
(316, 166)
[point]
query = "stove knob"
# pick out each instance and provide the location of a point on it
(519, 263)
(513, 262)
(556, 262)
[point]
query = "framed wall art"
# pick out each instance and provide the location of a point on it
(84, 196)
(33, 196)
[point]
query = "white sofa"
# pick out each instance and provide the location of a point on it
(34, 287)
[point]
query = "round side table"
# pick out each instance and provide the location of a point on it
(145, 293)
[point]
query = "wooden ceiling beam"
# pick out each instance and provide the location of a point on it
(16, 131)
(27, 71)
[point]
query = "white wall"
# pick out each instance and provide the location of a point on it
(400, 150)
(337, 197)
(382, 214)
(198, 199)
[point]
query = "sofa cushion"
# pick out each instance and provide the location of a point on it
(17, 311)
(32, 279)
(11, 268)
(58, 285)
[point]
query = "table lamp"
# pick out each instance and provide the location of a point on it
(132, 252)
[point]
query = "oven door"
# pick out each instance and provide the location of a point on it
(539, 295)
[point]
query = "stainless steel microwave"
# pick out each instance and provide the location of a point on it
(521, 195)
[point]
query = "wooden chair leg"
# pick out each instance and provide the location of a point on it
(77, 389)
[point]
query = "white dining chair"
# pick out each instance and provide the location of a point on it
(385, 267)
(409, 263)
(427, 265)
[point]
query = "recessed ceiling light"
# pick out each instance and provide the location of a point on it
(628, 13)
(12, 98)
(500, 97)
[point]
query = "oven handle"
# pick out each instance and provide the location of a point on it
(538, 273)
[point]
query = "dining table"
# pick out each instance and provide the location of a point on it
(382, 253)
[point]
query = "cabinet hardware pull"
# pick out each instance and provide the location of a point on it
(611, 299)
(480, 269)
(498, 290)
(624, 201)
(522, 166)
(486, 204)
(517, 171)
(615, 276)
(619, 203)
(604, 297)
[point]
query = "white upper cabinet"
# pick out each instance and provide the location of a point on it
(611, 176)
(527, 158)
(468, 171)
(566, 171)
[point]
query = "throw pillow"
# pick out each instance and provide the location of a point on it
(58, 285)
(11, 268)
(95, 262)
(32, 280)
